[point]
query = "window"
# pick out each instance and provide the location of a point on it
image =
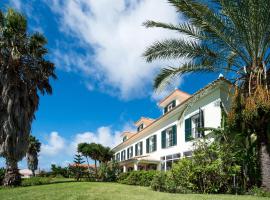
(170, 106)
(140, 128)
(117, 157)
(124, 138)
(195, 120)
(188, 153)
(169, 137)
(123, 155)
(193, 126)
(139, 149)
(130, 152)
(151, 144)
(167, 161)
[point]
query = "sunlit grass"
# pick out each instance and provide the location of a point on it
(108, 191)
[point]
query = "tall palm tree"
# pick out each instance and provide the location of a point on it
(24, 74)
(32, 153)
(225, 36)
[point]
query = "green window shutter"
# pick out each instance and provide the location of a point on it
(136, 149)
(147, 145)
(155, 143)
(163, 139)
(188, 129)
(128, 153)
(165, 109)
(141, 148)
(131, 151)
(174, 130)
(201, 124)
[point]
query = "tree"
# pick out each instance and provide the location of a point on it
(77, 168)
(95, 154)
(86, 150)
(24, 74)
(32, 154)
(59, 171)
(230, 37)
(106, 154)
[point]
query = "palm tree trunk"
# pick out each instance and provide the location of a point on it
(33, 173)
(96, 168)
(265, 166)
(88, 166)
(12, 176)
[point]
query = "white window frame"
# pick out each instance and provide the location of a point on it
(195, 120)
(151, 144)
(164, 160)
(169, 137)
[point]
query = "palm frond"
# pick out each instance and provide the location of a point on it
(215, 25)
(184, 28)
(175, 48)
(164, 78)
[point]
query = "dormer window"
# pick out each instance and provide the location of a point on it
(124, 138)
(170, 106)
(140, 128)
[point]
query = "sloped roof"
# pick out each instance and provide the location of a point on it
(146, 121)
(176, 94)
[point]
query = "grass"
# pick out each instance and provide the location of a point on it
(103, 191)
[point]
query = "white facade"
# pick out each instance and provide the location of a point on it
(199, 110)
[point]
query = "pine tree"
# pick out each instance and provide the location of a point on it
(77, 168)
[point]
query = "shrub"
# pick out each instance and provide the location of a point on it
(109, 172)
(183, 175)
(36, 181)
(166, 182)
(258, 192)
(142, 178)
(2, 175)
(158, 182)
(122, 177)
(43, 173)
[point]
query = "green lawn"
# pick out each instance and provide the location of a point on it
(110, 191)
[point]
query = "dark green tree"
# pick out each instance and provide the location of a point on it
(24, 74)
(32, 154)
(231, 37)
(77, 168)
(86, 150)
(106, 154)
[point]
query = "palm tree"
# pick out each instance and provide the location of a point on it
(24, 74)
(32, 153)
(230, 37)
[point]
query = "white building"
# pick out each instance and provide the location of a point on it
(160, 142)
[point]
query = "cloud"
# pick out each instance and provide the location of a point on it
(59, 150)
(111, 32)
(54, 146)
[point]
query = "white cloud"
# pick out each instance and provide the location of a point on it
(112, 32)
(54, 146)
(59, 150)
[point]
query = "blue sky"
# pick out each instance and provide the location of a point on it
(104, 84)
